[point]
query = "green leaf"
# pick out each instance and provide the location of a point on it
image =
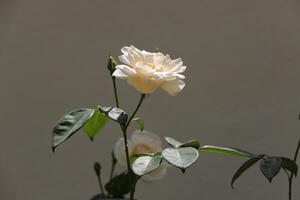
(115, 114)
(94, 125)
(175, 144)
(140, 122)
(146, 164)
(226, 150)
(136, 156)
(172, 142)
(270, 166)
(121, 184)
(289, 165)
(181, 157)
(70, 124)
(191, 143)
(244, 168)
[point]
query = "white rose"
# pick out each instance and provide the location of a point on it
(141, 142)
(148, 71)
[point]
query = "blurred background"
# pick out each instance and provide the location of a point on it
(242, 90)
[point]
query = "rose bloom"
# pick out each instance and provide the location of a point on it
(141, 142)
(147, 71)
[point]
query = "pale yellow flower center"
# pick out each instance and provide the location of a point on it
(142, 85)
(151, 65)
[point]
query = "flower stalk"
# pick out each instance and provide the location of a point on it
(136, 109)
(115, 92)
(292, 174)
(97, 168)
(124, 131)
(113, 165)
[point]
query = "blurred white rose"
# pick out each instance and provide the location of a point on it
(148, 71)
(141, 142)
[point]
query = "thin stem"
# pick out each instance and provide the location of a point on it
(101, 185)
(113, 165)
(292, 174)
(126, 148)
(133, 190)
(136, 109)
(97, 168)
(290, 188)
(297, 151)
(124, 129)
(115, 91)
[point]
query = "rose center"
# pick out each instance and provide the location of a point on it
(141, 148)
(151, 65)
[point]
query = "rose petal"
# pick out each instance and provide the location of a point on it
(126, 59)
(147, 71)
(142, 68)
(125, 50)
(148, 139)
(126, 70)
(176, 61)
(145, 85)
(173, 87)
(119, 74)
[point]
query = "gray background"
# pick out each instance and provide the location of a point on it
(242, 89)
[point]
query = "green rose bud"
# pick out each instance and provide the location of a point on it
(111, 64)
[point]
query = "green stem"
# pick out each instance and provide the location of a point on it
(133, 190)
(113, 165)
(290, 188)
(115, 91)
(136, 109)
(124, 129)
(297, 151)
(292, 174)
(101, 185)
(97, 168)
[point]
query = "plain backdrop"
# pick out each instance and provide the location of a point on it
(242, 90)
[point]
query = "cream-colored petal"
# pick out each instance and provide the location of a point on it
(156, 174)
(126, 59)
(182, 69)
(143, 85)
(143, 69)
(180, 76)
(173, 87)
(177, 67)
(119, 74)
(145, 142)
(159, 59)
(147, 71)
(172, 76)
(125, 50)
(126, 70)
(119, 151)
(136, 53)
(147, 57)
(176, 61)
